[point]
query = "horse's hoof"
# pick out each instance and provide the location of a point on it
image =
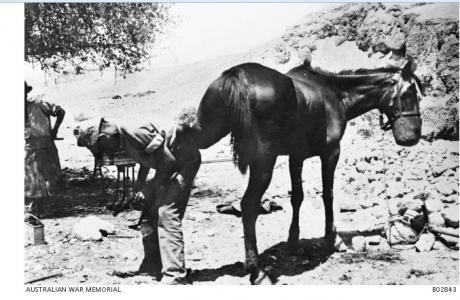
(339, 245)
(262, 278)
(253, 277)
(334, 242)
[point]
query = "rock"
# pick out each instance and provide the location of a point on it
(438, 171)
(449, 241)
(369, 202)
(400, 233)
(451, 173)
(445, 187)
(130, 255)
(373, 240)
(377, 188)
(433, 205)
(394, 205)
(360, 182)
(436, 219)
(362, 167)
(377, 166)
(450, 199)
(383, 246)
(396, 189)
(379, 31)
(439, 246)
(425, 242)
(449, 164)
(282, 55)
(450, 216)
(409, 215)
(412, 204)
(348, 203)
(358, 243)
(89, 228)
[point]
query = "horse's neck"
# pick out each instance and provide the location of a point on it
(359, 95)
(358, 104)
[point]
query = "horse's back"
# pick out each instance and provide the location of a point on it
(268, 87)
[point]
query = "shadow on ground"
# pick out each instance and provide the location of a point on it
(82, 194)
(276, 261)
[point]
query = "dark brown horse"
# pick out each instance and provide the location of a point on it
(302, 113)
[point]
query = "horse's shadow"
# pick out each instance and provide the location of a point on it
(276, 261)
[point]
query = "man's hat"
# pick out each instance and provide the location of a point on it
(27, 88)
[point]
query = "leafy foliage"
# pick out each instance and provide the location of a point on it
(58, 35)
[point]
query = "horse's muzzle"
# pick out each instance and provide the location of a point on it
(407, 130)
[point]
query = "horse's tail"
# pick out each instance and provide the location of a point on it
(235, 91)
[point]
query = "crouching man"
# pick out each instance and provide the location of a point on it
(165, 196)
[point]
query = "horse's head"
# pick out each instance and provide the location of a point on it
(87, 137)
(402, 107)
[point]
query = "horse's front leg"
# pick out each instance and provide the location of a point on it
(295, 170)
(259, 179)
(328, 165)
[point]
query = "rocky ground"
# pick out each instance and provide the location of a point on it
(374, 179)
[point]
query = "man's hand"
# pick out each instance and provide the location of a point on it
(54, 134)
(139, 201)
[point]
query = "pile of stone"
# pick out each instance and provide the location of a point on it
(414, 191)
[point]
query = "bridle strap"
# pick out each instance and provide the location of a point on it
(399, 112)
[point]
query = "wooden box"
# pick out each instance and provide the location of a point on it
(35, 230)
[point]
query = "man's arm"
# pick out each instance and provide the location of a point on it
(55, 111)
(141, 177)
(59, 118)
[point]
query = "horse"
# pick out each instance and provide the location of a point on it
(302, 114)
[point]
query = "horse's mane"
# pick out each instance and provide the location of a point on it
(361, 79)
(352, 72)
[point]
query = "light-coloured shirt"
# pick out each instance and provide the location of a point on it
(142, 142)
(38, 123)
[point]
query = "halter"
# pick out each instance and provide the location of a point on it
(397, 110)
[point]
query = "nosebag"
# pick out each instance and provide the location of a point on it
(92, 229)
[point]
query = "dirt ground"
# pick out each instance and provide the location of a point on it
(214, 242)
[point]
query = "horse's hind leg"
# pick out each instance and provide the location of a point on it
(295, 170)
(259, 179)
(328, 165)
